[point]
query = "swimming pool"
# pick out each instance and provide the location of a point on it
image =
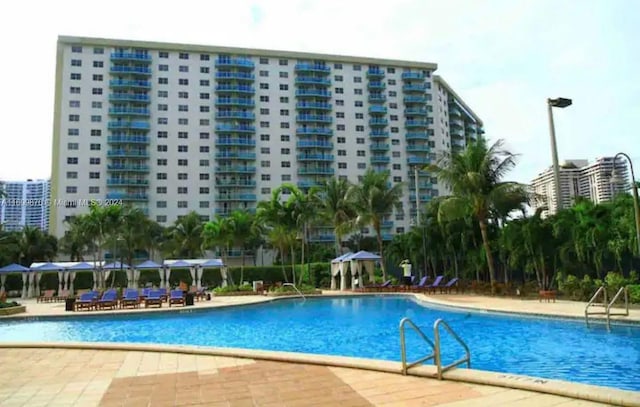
(368, 327)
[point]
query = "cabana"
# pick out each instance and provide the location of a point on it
(357, 264)
(108, 268)
(337, 274)
(133, 275)
(66, 272)
(196, 269)
(12, 268)
(33, 278)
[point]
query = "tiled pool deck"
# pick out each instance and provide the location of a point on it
(115, 375)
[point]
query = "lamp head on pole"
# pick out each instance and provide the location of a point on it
(560, 102)
(616, 177)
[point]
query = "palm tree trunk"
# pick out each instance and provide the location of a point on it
(293, 264)
(304, 239)
(487, 248)
(455, 264)
(284, 272)
(241, 266)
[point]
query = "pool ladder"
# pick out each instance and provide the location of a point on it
(606, 305)
(435, 345)
(296, 288)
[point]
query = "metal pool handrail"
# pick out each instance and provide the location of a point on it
(615, 298)
(295, 288)
(436, 333)
(591, 304)
(403, 346)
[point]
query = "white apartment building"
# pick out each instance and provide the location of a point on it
(25, 203)
(578, 178)
(176, 128)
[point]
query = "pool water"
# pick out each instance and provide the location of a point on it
(368, 327)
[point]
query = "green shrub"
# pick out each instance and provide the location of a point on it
(572, 287)
(305, 289)
(614, 282)
(233, 288)
(634, 293)
(9, 304)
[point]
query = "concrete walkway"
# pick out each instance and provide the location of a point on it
(87, 378)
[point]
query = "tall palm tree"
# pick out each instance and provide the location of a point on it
(373, 199)
(187, 235)
(335, 208)
(34, 245)
(242, 229)
(475, 179)
(217, 233)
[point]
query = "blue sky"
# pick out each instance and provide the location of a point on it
(505, 58)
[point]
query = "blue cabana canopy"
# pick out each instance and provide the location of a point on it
(48, 267)
(341, 258)
(115, 266)
(81, 266)
(149, 264)
(362, 255)
(14, 268)
(212, 263)
(178, 264)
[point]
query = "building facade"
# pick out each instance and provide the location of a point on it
(578, 178)
(25, 203)
(177, 128)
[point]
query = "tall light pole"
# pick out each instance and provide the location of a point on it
(618, 179)
(424, 246)
(551, 103)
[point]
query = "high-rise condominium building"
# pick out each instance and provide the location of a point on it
(24, 203)
(579, 178)
(178, 128)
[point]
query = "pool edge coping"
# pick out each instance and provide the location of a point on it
(574, 390)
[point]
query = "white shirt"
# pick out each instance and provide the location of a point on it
(406, 268)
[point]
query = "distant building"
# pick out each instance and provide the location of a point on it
(578, 178)
(25, 203)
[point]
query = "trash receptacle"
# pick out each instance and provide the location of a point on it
(188, 300)
(69, 304)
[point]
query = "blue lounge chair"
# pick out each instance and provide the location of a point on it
(420, 286)
(176, 297)
(131, 299)
(154, 298)
(379, 287)
(436, 284)
(86, 301)
(163, 294)
(109, 300)
(451, 284)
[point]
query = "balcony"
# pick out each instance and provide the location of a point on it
(387, 237)
(456, 132)
(413, 88)
(131, 56)
(234, 128)
(123, 111)
(409, 76)
(380, 159)
(243, 102)
(127, 196)
(235, 141)
(386, 224)
(377, 98)
(240, 63)
(235, 183)
(127, 168)
(129, 125)
(378, 122)
(456, 123)
(419, 149)
(418, 160)
(309, 118)
(412, 124)
(232, 169)
(230, 155)
(127, 154)
(315, 157)
(310, 131)
(322, 238)
(236, 197)
(454, 111)
(374, 73)
(315, 144)
(250, 90)
(415, 99)
(313, 93)
(418, 135)
(421, 185)
(316, 171)
(313, 106)
(379, 134)
(378, 109)
(311, 80)
(415, 112)
(127, 182)
(131, 70)
(226, 115)
(129, 97)
(121, 83)
(379, 147)
(316, 68)
(236, 76)
(376, 86)
(125, 139)
(309, 184)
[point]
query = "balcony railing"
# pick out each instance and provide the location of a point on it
(379, 86)
(129, 125)
(128, 167)
(125, 153)
(415, 112)
(305, 67)
(235, 115)
(378, 122)
(236, 169)
(418, 135)
(314, 118)
(116, 111)
(230, 155)
(130, 56)
(323, 131)
(239, 76)
(314, 106)
(316, 170)
(127, 197)
(128, 139)
(311, 80)
(413, 88)
(309, 184)
(418, 160)
(136, 70)
(233, 128)
(379, 147)
(407, 76)
(379, 159)
(122, 83)
(235, 102)
(415, 123)
(243, 63)
(377, 98)
(235, 89)
(419, 149)
(379, 134)
(129, 97)
(378, 109)
(236, 197)
(235, 183)
(314, 144)
(415, 99)
(234, 141)
(315, 157)
(375, 73)
(126, 181)
(319, 93)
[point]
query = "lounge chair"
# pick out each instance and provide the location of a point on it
(131, 299)
(86, 301)
(451, 284)
(163, 294)
(420, 286)
(154, 298)
(435, 285)
(62, 295)
(109, 300)
(378, 287)
(176, 297)
(47, 296)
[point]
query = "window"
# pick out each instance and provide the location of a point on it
(284, 125)
(162, 148)
(162, 161)
(183, 108)
(358, 103)
(204, 149)
(163, 68)
(391, 81)
(72, 160)
(264, 137)
(96, 132)
(204, 176)
(163, 107)
(357, 91)
(342, 152)
(183, 176)
(183, 81)
(359, 116)
(342, 166)
(98, 64)
(184, 68)
(204, 122)
(265, 190)
(362, 166)
(265, 150)
(357, 68)
(341, 140)
(183, 149)
(264, 74)
(94, 175)
(204, 82)
(393, 117)
(204, 190)
(161, 190)
(72, 190)
(183, 190)
(357, 79)
(204, 57)
(163, 81)
(338, 78)
(96, 118)
(74, 117)
(183, 121)
(163, 54)
(264, 98)
(360, 153)
(76, 49)
(337, 66)
(397, 179)
(265, 177)
(73, 132)
(284, 86)
(284, 137)
(393, 105)
(183, 55)
(391, 70)
(285, 177)
(163, 120)
(161, 175)
(74, 103)
(204, 163)
(359, 128)
(161, 204)
(183, 162)
(283, 62)
(204, 136)
(264, 61)
(74, 90)
(285, 164)
(163, 94)
(284, 99)
(98, 51)
(183, 204)
(285, 151)
(96, 105)
(183, 95)
(395, 130)
(183, 134)
(204, 96)
(204, 204)
(284, 112)
(265, 164)
(76, 62)
(340, 127)
(72, 146)
(264, 85)
(264, 125)
(94, 160)
(94, 147)
(72, 174)
(163, 134)
(360, 140)
(340, 115)
(339, 90)
(264, 110)
(96, 91)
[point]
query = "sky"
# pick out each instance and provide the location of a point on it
(503, 57)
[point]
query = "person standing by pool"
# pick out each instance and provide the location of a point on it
(406, 272)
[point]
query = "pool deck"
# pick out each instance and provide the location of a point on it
(123, 375)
